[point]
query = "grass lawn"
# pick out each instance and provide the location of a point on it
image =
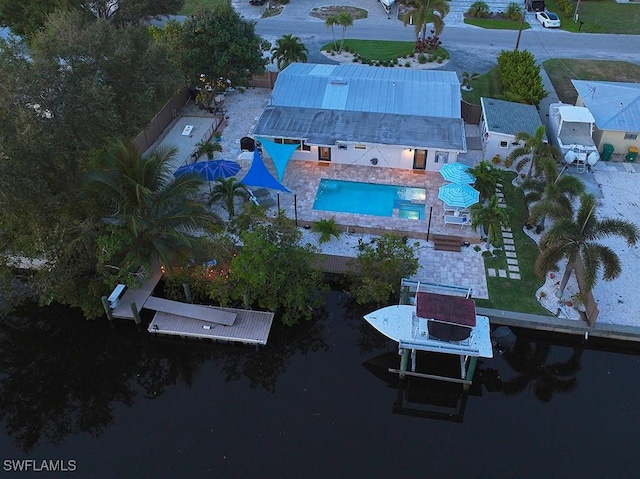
(494, 24)
(602, 16)
(381, 50)
(512, 294)
(190, 6)
(487, 85)
(562, 71)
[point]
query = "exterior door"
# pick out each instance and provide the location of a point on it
(419, 159)
(324, 153)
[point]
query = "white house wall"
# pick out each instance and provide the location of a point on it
(491, 145)
(387, 156)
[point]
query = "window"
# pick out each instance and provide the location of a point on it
(360, 147)
(305, 147)
(504, 144)
(287, 141)
(442, 157)
(630, 136)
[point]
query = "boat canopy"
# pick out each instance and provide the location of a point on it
(577, 114)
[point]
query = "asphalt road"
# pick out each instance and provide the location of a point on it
(477, 42)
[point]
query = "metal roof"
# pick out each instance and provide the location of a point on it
(614, 105)
(326, 127)
(510, 118)
(363, 88)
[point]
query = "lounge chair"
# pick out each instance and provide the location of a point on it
(261, 197)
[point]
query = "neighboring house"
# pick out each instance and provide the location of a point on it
(616, 108)
(501, 122)
(363, 115)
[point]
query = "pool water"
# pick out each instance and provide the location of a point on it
(370, 199)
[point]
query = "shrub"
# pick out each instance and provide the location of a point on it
(478, 9)
(508, 161)
(422, 59)
(439, 60)
(327, 229)
(407, 64)
(496, 160)
(566, 7)
(514, 11)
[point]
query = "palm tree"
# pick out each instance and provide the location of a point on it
(487, 177)
(152, 212)
(490, 217)
(288, 49)
(553, 195)
(227, 190)
(532, 151)
(332, 21)
(425, 12)
(467, 78)
(345, 20)
(575, 238)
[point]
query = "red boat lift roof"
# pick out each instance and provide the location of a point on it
(447, 309)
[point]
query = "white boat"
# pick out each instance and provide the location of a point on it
(455, 332)
(571, 130)
(387, 5)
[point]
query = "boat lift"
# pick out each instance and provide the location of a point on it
(435, 322)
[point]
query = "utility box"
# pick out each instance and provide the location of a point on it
(607, 151)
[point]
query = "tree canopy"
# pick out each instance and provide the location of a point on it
(274, 272)
(216, 43)
(27, 17)
(381, 266)
(84, 82)
(520, 77)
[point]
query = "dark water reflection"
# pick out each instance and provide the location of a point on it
(317, 402)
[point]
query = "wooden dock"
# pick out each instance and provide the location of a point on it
(249, 327)
(194, 320)
(193, 311)
(139, 296)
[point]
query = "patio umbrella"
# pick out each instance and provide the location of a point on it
(210, 170)
(457, 173)
(458, 196)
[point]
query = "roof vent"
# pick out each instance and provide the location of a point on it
(374, 161)
(338, 81)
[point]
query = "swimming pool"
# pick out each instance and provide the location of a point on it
(369, 199)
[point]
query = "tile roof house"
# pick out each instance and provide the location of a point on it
(616, 108)
(362, 115)
(500, 123)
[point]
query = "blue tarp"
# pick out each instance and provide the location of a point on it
(258, 175)
(280, 153)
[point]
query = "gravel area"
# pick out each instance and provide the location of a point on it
(616, 299)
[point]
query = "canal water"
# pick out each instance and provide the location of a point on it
(317, 402)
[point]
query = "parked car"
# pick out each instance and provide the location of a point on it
(548, 19)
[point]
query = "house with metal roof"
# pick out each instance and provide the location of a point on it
(362, 115)
(500, 123)
(615, 106)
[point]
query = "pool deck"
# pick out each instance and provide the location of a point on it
(303, 179)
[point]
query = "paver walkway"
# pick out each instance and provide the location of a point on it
(513, 268)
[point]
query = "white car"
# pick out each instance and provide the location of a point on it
(548, 19)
